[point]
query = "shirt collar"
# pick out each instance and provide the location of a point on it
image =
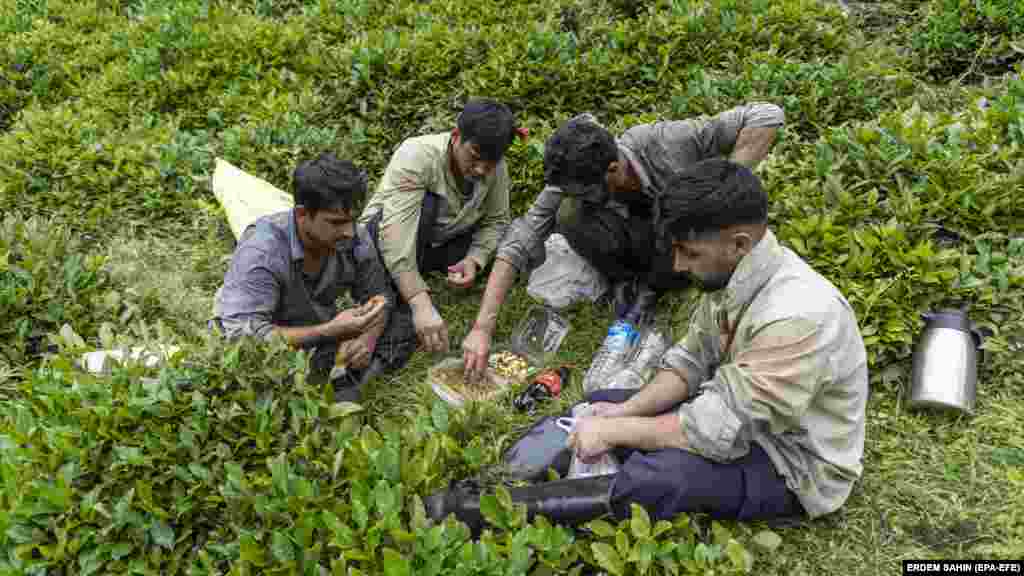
(294, 242)
(753, 272)
(638, 167)
(449, 176)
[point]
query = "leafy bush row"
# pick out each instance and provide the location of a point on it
(958, 39)
(227, 460)
(912, 211)
(138, 97)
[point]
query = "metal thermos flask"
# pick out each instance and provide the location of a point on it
(945, 365)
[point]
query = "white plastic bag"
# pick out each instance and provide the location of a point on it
(100, 361)
(565, 277)
(246, 198)
(606, 464)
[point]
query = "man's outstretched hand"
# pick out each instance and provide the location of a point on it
(476, 349)
(354, 321)
(430, 326)
(462, 274)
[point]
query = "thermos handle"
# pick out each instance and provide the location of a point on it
(979, 335)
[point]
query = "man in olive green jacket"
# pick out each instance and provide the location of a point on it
(443, 205)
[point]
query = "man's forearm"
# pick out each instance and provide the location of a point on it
(664, 392)
(646, 434)
(500, 280)
(752, 145)
(306, 336)
(410, 285)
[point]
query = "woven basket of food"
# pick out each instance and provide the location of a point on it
(448, 381)
(505, 369)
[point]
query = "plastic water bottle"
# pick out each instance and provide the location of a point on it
(637, 372)
(611, 356)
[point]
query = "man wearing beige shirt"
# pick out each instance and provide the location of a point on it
(442, 205)
(757, 413)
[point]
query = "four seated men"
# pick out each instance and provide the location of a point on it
(757, 413)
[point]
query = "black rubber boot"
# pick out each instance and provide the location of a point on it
(570, 501)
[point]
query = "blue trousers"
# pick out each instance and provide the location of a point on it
(671, 481)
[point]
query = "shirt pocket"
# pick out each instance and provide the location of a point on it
(713, 429)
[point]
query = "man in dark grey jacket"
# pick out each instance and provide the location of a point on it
(290, 268)
(603, 194)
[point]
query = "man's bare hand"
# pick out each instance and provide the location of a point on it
(462, 274)
(355, 353)
(354, 321)
(430, 327)
(588, 438)
(475, 351)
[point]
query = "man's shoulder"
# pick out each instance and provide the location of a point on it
(269, 234)
(797, 290)
(421, 150)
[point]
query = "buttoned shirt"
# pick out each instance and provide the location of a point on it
(776, 358)
(421, 165)
(265, 285)
(655, 152)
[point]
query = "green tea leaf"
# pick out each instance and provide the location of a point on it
(740, 558)
(645, 552)
(395, 564)
(343, 410)
(601, 528)
(121, 549)
(640, 522)
(491, 509)
(662, 527)
(622, 542)
(282, 548)
(439, 416)
(767, 540)
(163, 535)
(607, 558)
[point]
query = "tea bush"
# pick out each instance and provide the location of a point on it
(229, 461)
(969, 38)
(46, 281)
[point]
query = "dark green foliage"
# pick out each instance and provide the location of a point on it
(961, 39)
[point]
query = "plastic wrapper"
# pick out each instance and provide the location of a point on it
(606, 464)
(543, 446)
(565, 277)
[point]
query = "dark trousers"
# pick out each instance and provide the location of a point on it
(671, 481)
(622, 249)
(437, 258)
(398, 341)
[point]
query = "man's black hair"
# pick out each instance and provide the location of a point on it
(329, 183)
(577, 156)
(711, 195)
(490, 125)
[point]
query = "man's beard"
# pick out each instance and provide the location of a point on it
(713, 282)
(346, 246)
